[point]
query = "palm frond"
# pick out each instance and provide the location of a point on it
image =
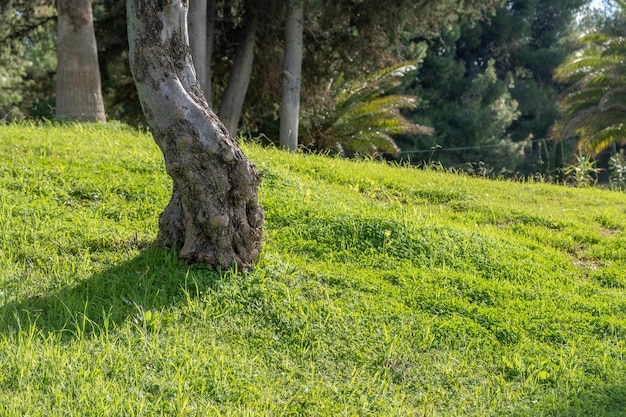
(594, 106)
(366, 116)
(603, 139)
(591, 62)
(593, 37)
(382, 105)
(614, 100)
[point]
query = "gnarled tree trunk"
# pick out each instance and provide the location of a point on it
(214, 216)
(78, 88)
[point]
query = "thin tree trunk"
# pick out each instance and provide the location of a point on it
(213, 216)
(292, 75)
(231, 105)
(201, 40)
(207, 85)
(198, 37)
(78, 88)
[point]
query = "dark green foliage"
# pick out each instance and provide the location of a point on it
(341, 37)
(471, 113)
(522, 43)
(352, 39)
(27, 58)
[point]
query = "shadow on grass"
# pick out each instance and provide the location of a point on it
(606, 400)
(153, 280)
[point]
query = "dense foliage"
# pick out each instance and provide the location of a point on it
(488, 88)
(27, 58)
(341, 37)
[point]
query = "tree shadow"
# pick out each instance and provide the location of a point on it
(605, 400)
(153, 280)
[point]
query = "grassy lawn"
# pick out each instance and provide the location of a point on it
(381, 291)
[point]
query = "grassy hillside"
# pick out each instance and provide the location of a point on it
(382, 291)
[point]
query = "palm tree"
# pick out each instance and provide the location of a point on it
(78, 89)
(594, 106)
(366, 116)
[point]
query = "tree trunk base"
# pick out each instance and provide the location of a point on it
(213, 217)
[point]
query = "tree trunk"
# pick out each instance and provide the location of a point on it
(235, 92)
(213, 216)
(198, 37)
(207, 85)
(78, 89)
(201, 40)
(292, 75)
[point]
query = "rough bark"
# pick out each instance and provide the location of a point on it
(234, 95)
(78, 88)
(213, 216)
(292, 76)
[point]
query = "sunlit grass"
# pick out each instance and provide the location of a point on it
(381, 290)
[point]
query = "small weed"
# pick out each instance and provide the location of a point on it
(617, 170)
(583, 173)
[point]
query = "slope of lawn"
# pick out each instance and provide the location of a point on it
(382, 291)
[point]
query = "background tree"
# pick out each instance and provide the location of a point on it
(593, 108)
(232, 101)
(523, 43)
(213, 216)
(201, 40)
(470, 114)
(118, 89)
(78, 88)
(292, 75)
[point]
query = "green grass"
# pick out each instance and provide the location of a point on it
(381, 291)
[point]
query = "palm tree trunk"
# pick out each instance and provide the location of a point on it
(78, 88)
